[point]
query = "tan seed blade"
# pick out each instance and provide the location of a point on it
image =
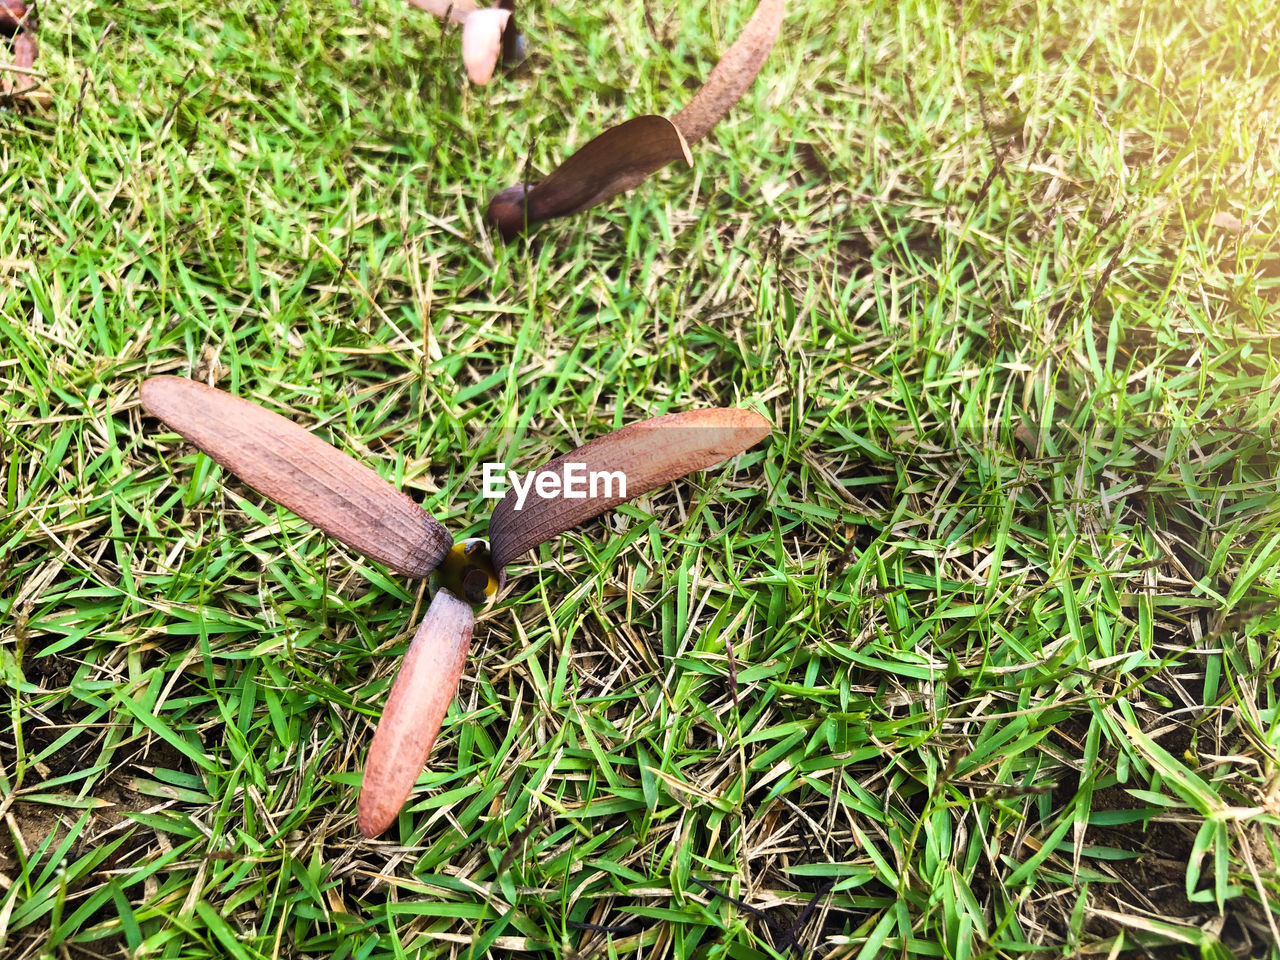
(482, 43)
(649, 453)
(419, 698)
(612, 163)
(25, 50)
(734, 73)
(302, 473)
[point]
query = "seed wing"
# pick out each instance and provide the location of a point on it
(614, 162)
(420, 696)
(284, 462)
(649, 454)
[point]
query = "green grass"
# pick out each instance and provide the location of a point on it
(976, 657)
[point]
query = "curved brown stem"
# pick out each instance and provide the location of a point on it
(282, 461)
(735, 72)
(607, 165)
(648, 454)
(419, 698)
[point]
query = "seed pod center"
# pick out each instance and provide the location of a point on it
(467, 572)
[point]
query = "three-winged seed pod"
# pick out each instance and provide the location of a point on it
(352, 503)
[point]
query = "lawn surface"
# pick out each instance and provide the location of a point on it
(976, 656)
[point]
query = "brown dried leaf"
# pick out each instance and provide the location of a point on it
(282, 461)
(416, 706)
(609, 165)
(649, 453)
(612, 163)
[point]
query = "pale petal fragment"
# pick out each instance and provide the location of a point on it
(482, 42)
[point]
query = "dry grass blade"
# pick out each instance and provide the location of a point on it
(415, 709)
(614, 162)
(734, 73)
(299, 471)
(648, 454)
